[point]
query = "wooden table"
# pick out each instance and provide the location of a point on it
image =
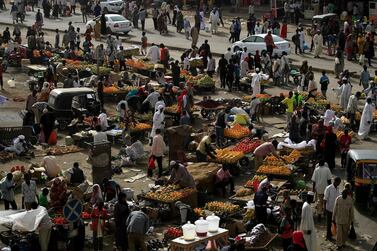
(181, 244)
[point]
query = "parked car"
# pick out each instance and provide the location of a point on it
(256, 42)
(111, 6)
(115, 23)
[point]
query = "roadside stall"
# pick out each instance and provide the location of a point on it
(167, 196)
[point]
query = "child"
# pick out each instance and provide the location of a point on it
(144, 42)
(57, 38)
(99, 216)
(43, 200)
(78, 38)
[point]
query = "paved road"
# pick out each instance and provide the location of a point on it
(219, 42)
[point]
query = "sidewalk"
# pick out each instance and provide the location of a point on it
(177, 41)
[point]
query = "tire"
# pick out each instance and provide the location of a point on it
(236, 49)
(63, 125)
(244, 162)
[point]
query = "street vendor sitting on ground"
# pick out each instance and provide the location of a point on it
(51, 166)
(180, 176)
(265, 149)
(77, 175)
(205, 148)
(100, 136)
(110, 189)
(186, 212)
(19, 146)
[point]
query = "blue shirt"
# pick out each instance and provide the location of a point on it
(364, 77)
(324, 82)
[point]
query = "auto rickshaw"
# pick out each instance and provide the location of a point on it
(362, 174)
(71, 103)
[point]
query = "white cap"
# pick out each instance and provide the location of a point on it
(257, 69)
(21, 137)
(173, 163)
(311, 193)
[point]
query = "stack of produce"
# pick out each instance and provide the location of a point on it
(85, 215)
(169, 194)
(236, 132)
(242, 192)
(82, 65)
(229, 156)
(139, 64)
(172, 233)
(59, 150)
(249, 215)
(276, 170)
(199, 212)
(145, 117)
(340, 133)
(59, 220)
(139, 127)
(205, 81)
(110, 89)
(6, 156)
(256, 178)
(196, 62)
(344, 120)
(222, 207)
(247, 145)
(172, 109)
(289, 159)
(262, 97)
(296, 191)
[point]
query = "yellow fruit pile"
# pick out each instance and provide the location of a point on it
(222, 207)
(199, 212)
(277, 170)
(340, 133)
(228, 156)
(168, 195)
(236, 132)
(141, 127)
(172, 109)
(249, 215)
(243, 192)
(290, 159)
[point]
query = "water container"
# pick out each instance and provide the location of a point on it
(213, 223)
(188, 231)
(201, 227)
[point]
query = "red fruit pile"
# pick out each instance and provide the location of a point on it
(17, 168)
(59, 221)
(247, 145)
(85, 215)
(173, 232)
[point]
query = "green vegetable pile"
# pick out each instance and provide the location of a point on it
(206, 81)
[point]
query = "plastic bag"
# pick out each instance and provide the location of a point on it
(352, 233)
(151, 164)
(333, 229)
(53, 139)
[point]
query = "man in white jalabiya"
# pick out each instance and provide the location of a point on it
(214, 19)
(344, 93)
(256, 80)
(158, 121)
(307, 224)
(366, 119)
(154, 53)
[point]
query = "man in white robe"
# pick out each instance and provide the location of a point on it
(158, 121)
(256, 80)
(307, 224)
(366, 119)
(318, 42)
(154, 53)
(344, 93)
(214, 19)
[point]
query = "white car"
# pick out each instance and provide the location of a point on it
(256, 42)
(114, 6)
(115, 23)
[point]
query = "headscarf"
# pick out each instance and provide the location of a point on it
(96, 196)
(298, 238)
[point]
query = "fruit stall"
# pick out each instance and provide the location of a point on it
(168, 195)
(236, 132)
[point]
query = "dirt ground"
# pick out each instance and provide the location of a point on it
(9, 116)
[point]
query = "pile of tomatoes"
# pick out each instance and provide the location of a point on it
(173, 232)
(247, 145)
(59, 221)
(17, 168)
(85, 215)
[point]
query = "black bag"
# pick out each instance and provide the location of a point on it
(352, 233)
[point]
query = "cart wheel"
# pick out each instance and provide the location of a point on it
(244, 162)
(204, 113)
(63, 125)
